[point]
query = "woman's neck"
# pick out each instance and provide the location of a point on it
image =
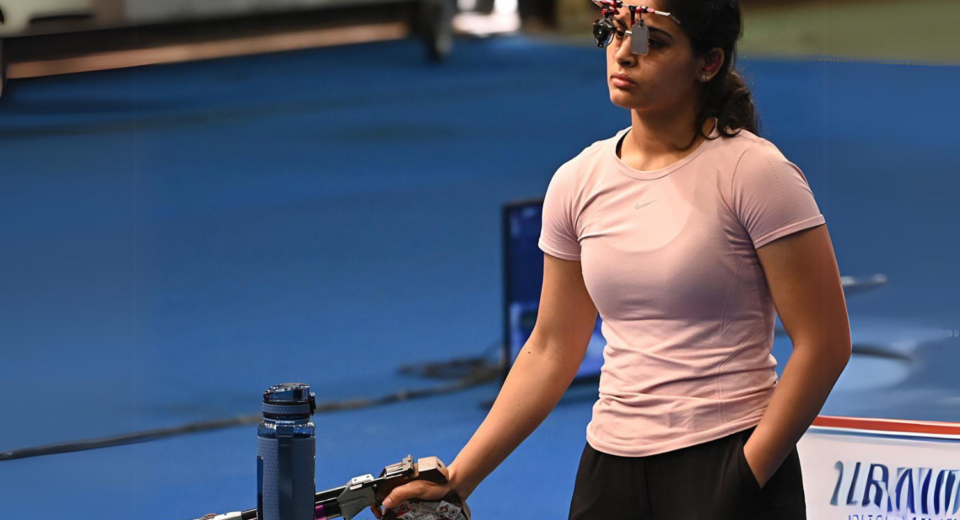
(658, 140)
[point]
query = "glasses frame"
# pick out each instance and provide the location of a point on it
(604, 29)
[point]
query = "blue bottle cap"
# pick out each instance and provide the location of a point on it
(289, 400)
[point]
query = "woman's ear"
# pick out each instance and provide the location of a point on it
(712, 62)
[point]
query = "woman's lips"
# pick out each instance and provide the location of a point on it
(619, 80)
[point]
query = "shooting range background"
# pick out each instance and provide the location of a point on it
(182, 236)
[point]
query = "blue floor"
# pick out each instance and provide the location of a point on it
(177, 238)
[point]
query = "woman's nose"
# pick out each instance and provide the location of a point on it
(624, 53)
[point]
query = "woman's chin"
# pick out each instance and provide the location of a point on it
(623, 99)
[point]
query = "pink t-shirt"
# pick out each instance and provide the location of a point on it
(669, 258)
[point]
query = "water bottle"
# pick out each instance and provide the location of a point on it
(286, 454)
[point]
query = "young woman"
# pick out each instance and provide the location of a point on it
(689, 233)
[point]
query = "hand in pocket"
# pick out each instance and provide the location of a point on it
(757, 476)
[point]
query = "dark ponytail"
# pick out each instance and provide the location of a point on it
(711, 24)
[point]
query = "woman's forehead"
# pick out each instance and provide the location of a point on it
(654, 21)
(624, 15)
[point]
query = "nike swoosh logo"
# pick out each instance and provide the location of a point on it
(638, 205)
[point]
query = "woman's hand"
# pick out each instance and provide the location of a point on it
(760, 477)
(421, 490)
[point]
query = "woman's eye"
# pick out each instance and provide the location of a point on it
(620, 35)
(655, 43)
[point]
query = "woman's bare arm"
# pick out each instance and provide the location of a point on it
(801, 270)
(541, 374)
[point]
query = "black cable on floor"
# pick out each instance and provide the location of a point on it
(473, 372)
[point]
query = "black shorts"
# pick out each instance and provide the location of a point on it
(708, 481)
